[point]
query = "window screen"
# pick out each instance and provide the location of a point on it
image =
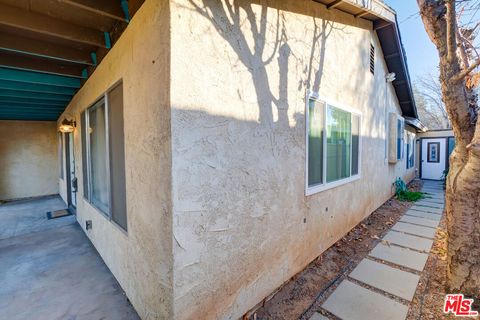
(117, 156)
(355, 143)
(83, 125)
(339, 130)
(400, 139)
(98, 157)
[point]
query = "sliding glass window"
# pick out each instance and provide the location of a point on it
(104, 156)
(333, 145)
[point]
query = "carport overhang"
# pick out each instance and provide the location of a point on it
(48, 49)
(385, 24)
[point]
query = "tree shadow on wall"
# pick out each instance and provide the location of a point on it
(226, 17)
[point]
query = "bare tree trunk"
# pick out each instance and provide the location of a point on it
(463, 182)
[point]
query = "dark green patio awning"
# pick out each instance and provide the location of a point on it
(49, 48)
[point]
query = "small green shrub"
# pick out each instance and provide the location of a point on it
(403, 194)
(410, 196)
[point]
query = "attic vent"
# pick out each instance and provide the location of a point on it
(372, 59)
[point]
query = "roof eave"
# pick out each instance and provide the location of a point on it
(385, 24)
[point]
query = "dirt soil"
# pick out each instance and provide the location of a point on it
(302, 295)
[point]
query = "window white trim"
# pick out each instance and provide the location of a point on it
(309, 190)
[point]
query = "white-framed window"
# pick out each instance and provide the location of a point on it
(400, 138)
(410, 150)
(333, 144)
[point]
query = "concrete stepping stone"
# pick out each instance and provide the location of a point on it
(426, 215)
(438, 184)
(414, 229)
(353, 302)
(435, 196)
(317, 316)
(400, 256)
(409, 241)
(420, 221)
(434, 189)
(429, 204)
(427, 209)
(434, 201)
(395, 281)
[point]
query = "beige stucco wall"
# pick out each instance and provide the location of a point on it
(142, 259)
(28, 159)
(238, 145)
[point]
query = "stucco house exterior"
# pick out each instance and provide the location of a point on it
(221, 146)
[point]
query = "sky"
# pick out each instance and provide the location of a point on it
(422, 56)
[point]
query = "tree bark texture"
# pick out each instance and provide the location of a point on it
(463, 182)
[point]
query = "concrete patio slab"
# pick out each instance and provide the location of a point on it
(409, 241)
(420, 221)
(395, 281)
(426, 215)
(27, 216)
(57, 274)
(427, 209)
(353, 302)
(318, 316)
(414, 229)
(400, 256)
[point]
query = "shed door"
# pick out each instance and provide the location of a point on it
(434, 158)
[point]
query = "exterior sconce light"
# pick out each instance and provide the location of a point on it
(67, 126)
(390, 77)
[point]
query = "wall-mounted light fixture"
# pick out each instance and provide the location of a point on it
(390, 77)
(67, 126)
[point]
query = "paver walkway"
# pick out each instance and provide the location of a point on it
(383, 284)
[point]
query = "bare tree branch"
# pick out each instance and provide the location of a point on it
(451, 30)
(465, 72)
(462, 49)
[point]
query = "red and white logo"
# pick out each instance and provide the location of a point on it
(459, 305)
